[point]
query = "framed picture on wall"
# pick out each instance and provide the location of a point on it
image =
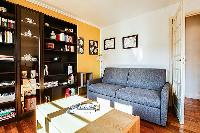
(130, 42)
(93, 47)
(80, 46)
(109, 43)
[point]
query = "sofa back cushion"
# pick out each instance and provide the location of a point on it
(146, 78)
(116, 76)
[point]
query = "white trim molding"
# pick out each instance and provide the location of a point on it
(67, 14)
(192, 13)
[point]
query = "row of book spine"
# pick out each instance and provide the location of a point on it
(6, 37)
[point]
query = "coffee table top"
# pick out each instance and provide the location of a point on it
(56, 113)
(106, 118)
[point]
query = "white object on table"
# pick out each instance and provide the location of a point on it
(103, 102)
(124, 108)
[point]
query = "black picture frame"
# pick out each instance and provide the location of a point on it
(80, 45)
(132, 40)
(93, 47)
(106, 41)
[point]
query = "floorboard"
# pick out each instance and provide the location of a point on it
(192, 122)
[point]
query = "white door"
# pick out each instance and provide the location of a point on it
(178, 85)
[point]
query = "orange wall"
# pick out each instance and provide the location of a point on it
(86, 62)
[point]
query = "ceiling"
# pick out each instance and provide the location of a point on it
(106, 12)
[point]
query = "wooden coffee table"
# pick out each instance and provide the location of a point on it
(113, 122)
(54, 118)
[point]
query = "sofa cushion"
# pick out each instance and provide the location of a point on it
(146, 78)
(145, 97)
(105, 89)
(116, 76)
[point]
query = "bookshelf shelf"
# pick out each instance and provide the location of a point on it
(7, 15)
(7, 103)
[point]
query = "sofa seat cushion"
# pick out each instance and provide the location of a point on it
(145, 97)
(105, 89)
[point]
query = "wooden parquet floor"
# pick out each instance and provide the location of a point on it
(192, 122)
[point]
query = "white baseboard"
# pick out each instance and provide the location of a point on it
(193, 96)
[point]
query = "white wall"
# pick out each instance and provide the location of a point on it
(192, 53)
(153, 50)
(192, 5)
(192, 57)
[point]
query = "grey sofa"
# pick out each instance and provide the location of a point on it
(145, 89)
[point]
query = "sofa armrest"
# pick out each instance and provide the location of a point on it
(164, 103)
(94, 81)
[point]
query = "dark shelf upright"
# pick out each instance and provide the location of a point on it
(29, 59)
(8, 67)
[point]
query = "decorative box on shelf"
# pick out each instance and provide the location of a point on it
(30, 103)
(83, 77)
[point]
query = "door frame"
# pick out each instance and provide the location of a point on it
(172, 100)
(187, 14)
(192, 13)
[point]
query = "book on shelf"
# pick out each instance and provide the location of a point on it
(7, 113)
(6, 58)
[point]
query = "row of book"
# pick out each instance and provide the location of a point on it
(7, 97)
(6, 58)
(7, 83)
(6, 37)
(7, 113)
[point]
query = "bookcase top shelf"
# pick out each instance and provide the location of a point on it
(60, 30)
(7, 15)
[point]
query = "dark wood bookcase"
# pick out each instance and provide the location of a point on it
(8, 63)
(40, 58)
(58, 59)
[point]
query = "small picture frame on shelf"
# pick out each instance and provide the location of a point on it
(50, 45)
(109, 43)
(24, 74)
(93, 47)
(130, 42)
(33, 74)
